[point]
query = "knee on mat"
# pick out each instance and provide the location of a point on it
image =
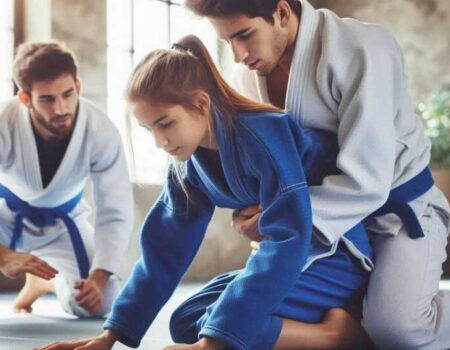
(183, 329)
(395, 330)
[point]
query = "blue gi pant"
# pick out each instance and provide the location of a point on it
(335, 281)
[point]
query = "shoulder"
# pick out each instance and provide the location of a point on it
(354, 37)
(99, 125)
(9, 109)
(97, 119)
(265, 126)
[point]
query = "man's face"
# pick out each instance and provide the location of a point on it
(53, 106)
(255, 42)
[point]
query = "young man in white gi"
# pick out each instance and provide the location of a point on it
(347, 77)
(51, 142)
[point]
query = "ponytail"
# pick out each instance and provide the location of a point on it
(173, 76)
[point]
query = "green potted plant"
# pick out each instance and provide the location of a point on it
(435, 112)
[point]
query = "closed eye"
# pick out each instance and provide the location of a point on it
(166, 125)
(245, 36)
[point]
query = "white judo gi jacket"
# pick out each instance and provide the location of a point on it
(95, 150)
(347, 77)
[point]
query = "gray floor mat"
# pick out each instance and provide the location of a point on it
(49, 323)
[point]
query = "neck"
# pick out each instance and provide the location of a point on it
(210, 140)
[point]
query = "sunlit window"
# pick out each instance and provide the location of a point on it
(136, 27)
(6, 48)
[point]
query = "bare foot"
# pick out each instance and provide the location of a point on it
(26, 297)
(34, 287)
(350, 333)
(22, 310)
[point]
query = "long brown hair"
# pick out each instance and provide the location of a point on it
(174, 75)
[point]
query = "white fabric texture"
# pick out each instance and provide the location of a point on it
(95, 150)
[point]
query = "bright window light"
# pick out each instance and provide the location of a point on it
(6, 48)
(135, 27)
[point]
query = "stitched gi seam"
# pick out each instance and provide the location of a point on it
(293, 187)
(226, 334)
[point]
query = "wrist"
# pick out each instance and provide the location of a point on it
(109, 336)
(211, 344)
(100, 277)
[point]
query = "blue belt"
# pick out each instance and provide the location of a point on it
(47, 217)
(397, 202)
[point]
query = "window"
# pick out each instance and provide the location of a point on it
(136, 27)
(6, 49)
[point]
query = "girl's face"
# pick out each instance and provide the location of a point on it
(177, 130)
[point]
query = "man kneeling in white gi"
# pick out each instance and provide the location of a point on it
(51, 142)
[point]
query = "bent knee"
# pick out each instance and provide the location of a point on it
(183, 326)
(397, 330)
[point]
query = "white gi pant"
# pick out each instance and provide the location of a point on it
(53, 245)
(403, 307)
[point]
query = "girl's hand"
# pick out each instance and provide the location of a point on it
(203, 344)
(102, 342)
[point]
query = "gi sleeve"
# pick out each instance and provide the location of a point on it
(8, 112)
(170, 238)
(113, 201)
(368, 86)
(247, 303)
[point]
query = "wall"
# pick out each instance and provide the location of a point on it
(422, 28)
(81, 25)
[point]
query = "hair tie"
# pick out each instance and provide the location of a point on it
(176, 46)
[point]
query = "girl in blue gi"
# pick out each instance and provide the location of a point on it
(233, 152)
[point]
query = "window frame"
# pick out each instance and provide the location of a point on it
(143, 169)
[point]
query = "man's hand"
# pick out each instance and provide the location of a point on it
(245, 222)
(90, 295)
(13, 264)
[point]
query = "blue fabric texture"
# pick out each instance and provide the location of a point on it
(267, 159)
(399, 197)
(42, 217)
(335, 281)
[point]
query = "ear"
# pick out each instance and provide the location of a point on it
(78, 85)
(24, 98)
(202, 102)
(284, 13)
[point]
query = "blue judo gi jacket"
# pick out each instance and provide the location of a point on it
(266, 158)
